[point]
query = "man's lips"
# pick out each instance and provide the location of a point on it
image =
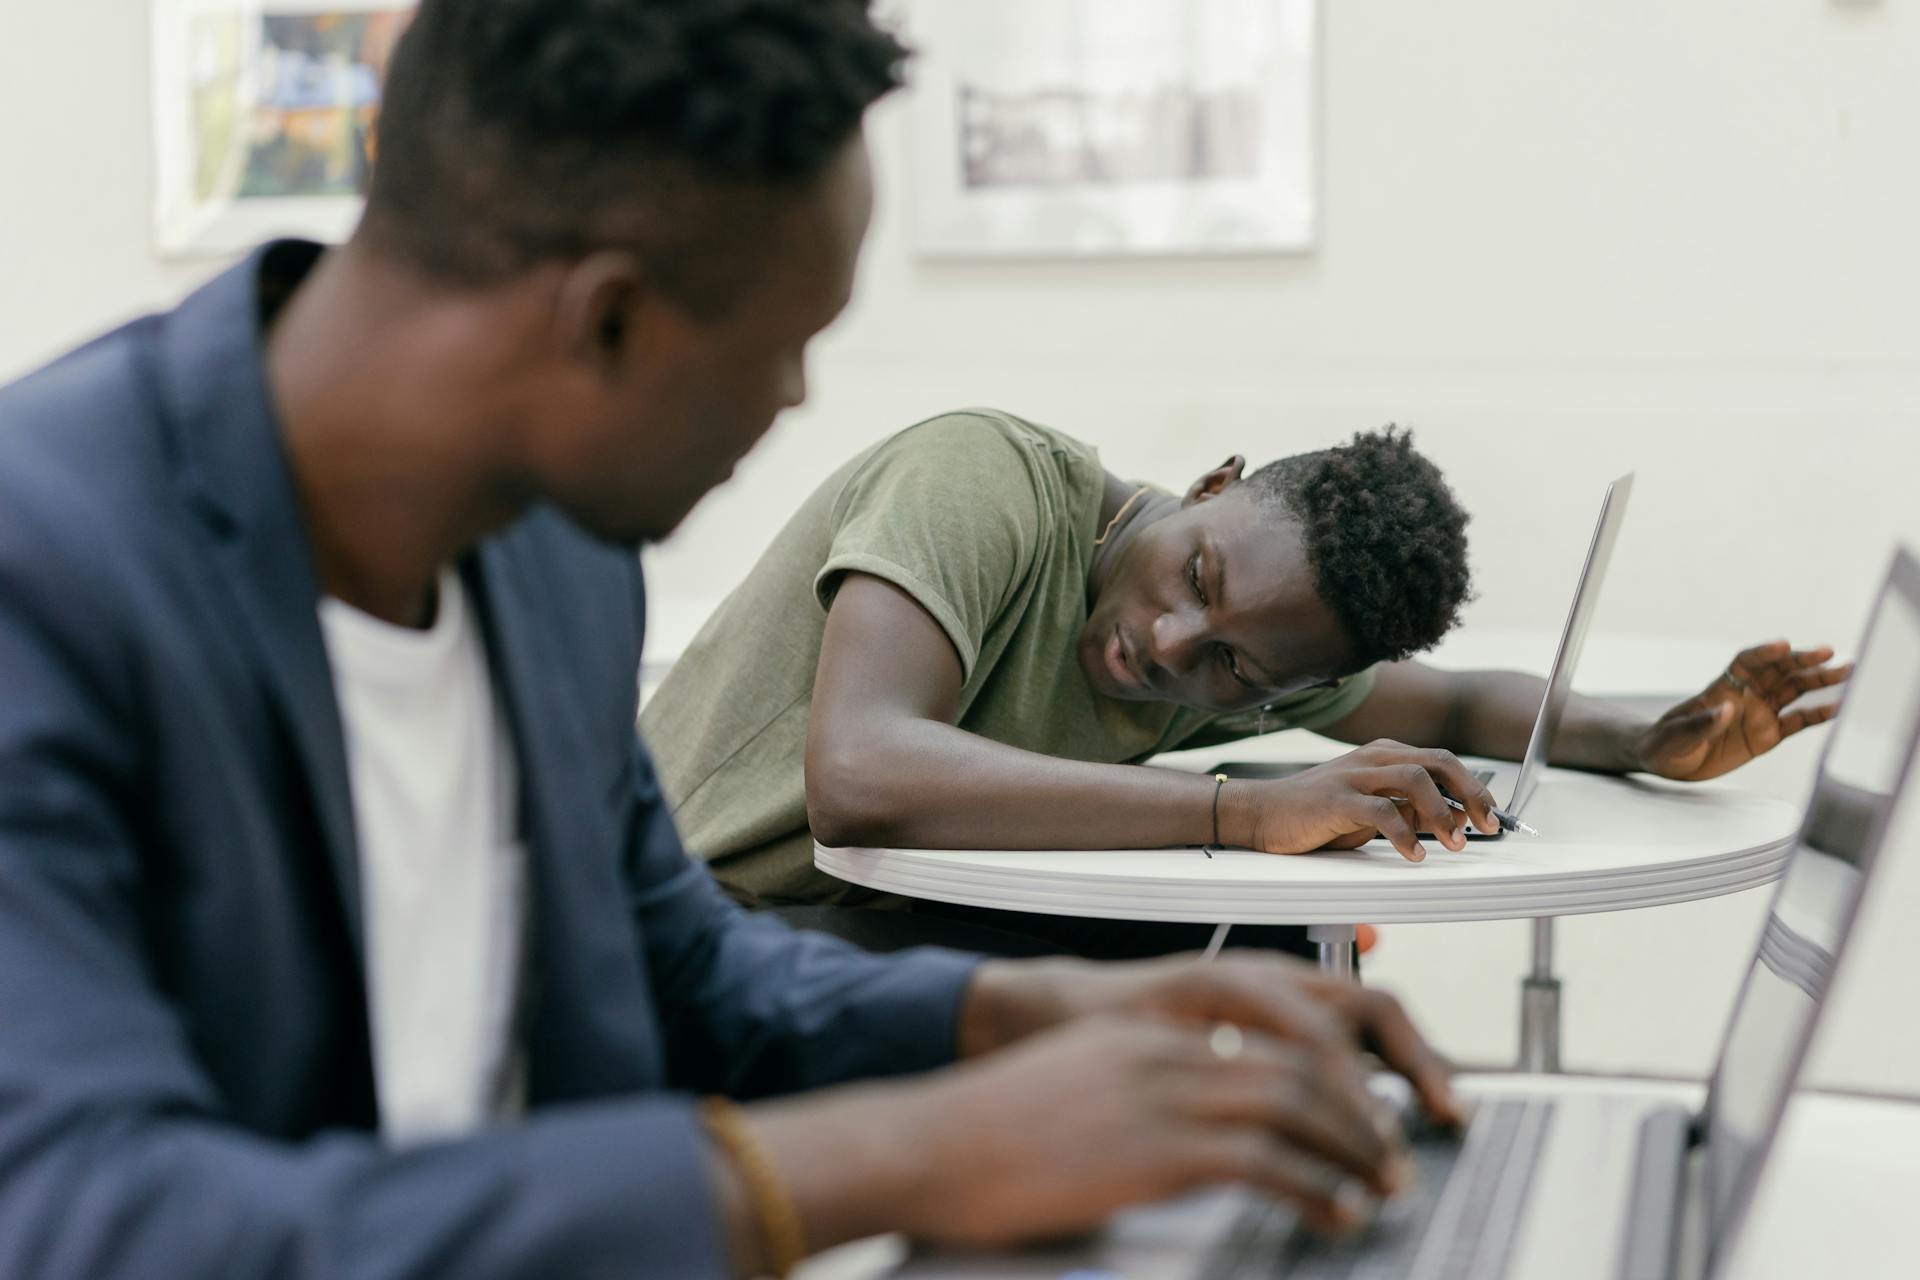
(1118, 667)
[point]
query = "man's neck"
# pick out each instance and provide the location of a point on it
(395, 427)
(1125, 509)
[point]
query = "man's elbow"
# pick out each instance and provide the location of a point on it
(847, 800)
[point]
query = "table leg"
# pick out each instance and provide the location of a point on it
(1540, 1006)
(1335, 942)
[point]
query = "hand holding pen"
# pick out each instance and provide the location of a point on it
(1506, 820)
(1384, 790)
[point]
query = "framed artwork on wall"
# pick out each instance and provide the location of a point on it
(263, 116)
(1112, 127)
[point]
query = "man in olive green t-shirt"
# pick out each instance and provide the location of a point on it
(968, 634)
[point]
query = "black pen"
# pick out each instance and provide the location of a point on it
(1506, 820)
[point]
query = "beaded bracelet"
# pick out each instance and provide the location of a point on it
(773, 1208)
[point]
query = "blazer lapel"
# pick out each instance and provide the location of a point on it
(583, 1006)
(234, 467)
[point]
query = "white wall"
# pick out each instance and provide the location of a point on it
(1561, 239)
(75, 249)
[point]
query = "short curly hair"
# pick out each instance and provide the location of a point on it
(514, 131)
(1385, 536)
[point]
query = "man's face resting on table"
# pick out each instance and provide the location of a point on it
(1254, 587)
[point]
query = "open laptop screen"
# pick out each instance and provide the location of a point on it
(1586, 599)
(1815, 903)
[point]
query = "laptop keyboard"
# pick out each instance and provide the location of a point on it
(1458, 1221)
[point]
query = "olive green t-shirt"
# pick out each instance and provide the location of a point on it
(988, 522)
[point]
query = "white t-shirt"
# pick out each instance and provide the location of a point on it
(442, 866)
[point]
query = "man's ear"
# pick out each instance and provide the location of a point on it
(597, 311)
(1216, 481)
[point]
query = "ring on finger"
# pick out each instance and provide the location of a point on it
(1734, 680)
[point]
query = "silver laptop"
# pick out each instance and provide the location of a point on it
(1520, 783)
(1568, 1180)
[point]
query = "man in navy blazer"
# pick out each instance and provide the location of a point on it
(599, 237)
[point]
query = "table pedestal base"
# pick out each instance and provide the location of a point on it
(1539, 990)
(1335, 942)
(1540, 1006)
(1540, 1025)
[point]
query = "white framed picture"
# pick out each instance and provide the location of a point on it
(263, 117)
(1096, 127)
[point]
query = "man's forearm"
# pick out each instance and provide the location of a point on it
(852, 1159)
(1008, 1001)
(923, 784)
(1489, 713)
(1496, 714)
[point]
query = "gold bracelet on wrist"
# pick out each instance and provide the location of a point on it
(773, 1209)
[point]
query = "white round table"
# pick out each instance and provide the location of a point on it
(1607, 844)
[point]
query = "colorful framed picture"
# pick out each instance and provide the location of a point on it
(1076, 127)
(264, 117)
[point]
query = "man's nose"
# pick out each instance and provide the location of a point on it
(1177, 640)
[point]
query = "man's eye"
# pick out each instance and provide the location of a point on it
(1228, 661)
(1193, 578)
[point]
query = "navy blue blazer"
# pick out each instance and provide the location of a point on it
(185, 1082)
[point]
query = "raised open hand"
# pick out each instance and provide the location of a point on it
(1746, 712)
